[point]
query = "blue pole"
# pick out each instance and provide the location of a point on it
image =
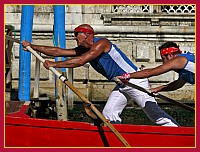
(59, 29)
(25, 57)
(59, 33)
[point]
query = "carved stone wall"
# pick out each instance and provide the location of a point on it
(138, 30)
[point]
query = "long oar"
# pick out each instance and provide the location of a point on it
(135, 86)
(82, 97)
(79, 94)
(156, 95)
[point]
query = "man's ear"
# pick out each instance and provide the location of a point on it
(171, 56)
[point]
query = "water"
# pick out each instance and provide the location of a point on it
(134, 115)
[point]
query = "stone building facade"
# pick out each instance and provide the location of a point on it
(138, 30)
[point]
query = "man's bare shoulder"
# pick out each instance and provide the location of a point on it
(103, 44)
(103, 40)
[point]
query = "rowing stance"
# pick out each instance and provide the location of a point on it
(173, 59)
(107, 59)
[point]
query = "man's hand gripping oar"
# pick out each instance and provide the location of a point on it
(117, 80)
(82, 97)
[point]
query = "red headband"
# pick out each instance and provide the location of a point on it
(84, 30)
(169, 50)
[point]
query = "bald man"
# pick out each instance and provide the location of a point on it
(107, 59)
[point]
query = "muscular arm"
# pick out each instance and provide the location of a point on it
(174, 64)
(54, 51)
(50, 51)
(171, 86)
(97, 48)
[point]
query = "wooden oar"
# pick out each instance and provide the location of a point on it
(79, 94)
(156, 95)
(82, 97)
(135, 86)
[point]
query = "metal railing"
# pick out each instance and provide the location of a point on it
(166, 9)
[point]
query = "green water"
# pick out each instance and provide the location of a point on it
(134, 115)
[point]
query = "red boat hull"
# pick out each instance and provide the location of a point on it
(21, 131)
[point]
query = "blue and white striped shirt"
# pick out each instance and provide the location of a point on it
(187, 73)
(112, 63)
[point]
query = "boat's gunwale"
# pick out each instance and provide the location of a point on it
(123, 128)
